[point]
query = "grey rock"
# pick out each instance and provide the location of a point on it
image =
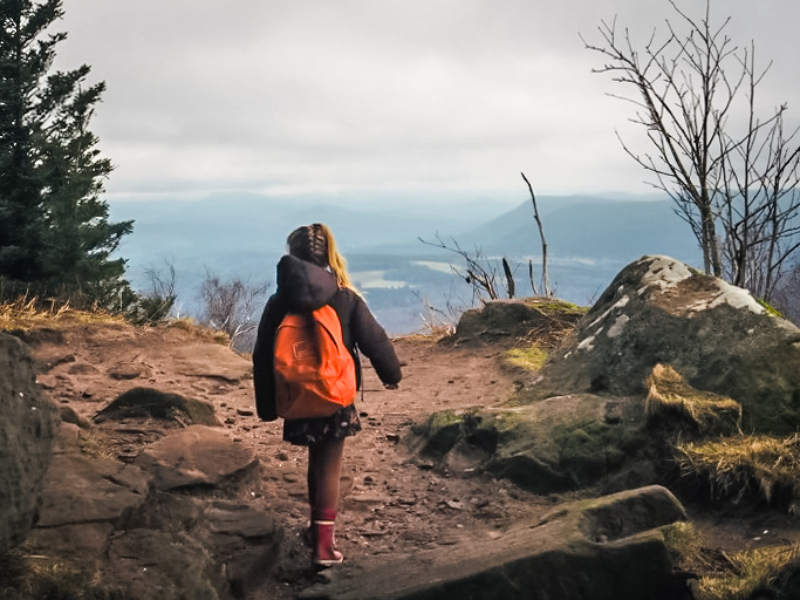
(244, 540)
(610, 548)
(658, 310)
(167, 512)
(83, 489)
(665, 349)
(503, 319)
(81, 368)
(129, 370)
(163, 565)
(566, 442)
(70, 415)
(553, 445)
(28, 423)
(195, 456)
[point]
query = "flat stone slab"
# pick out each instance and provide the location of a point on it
(197, 455)
(87, 540)
(82, 489)
(608, 548)
(207, 360)
(239, 520)
(163, 565)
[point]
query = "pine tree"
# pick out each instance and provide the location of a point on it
(55, 235)
(78, 237)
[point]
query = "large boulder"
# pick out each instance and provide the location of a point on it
(606, 548)
(717, 336)
(27, 429)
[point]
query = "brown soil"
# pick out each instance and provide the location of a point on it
(390, 504)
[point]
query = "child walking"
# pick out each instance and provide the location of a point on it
(313, 275)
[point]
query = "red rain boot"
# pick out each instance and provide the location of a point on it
(324, 553)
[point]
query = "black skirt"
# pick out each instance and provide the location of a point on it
(341, 424)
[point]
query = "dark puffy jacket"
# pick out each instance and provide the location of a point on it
(304, 287)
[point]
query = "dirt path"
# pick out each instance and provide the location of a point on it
(389, 504)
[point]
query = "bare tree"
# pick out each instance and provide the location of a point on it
(735, 185)
(153, 305)
(760, 219)
(787, 294)
(482, 274)
(478, 272)
(229, 305)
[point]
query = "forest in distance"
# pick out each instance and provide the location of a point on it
(590, 238)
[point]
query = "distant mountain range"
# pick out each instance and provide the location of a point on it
(593, 228)
(243, 235)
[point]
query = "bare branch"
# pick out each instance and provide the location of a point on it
(545, 280)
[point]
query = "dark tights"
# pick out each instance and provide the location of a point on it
(324, 471)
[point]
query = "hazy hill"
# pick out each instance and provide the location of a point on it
(589, 227)
(243, 235)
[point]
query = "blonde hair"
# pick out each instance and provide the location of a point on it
(315, 243)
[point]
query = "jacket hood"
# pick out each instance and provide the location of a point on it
(304, 286)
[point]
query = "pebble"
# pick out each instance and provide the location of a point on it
(454, 504)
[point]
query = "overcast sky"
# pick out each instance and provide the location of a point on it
(337, 96)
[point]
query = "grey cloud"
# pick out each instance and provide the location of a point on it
(352, 94)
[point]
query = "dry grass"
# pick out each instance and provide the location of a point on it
(735, 465)
(201, 332)
(95, 444)
(560, 322)
(23, 577)
(27, 313)
(749, 570)
(725, 577)
(684, 545)
(436, 323)
(669, 393)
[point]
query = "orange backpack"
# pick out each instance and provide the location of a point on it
(314, 372)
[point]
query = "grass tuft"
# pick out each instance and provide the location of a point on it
(684, 545)
(28, 312)
(669, 393)
(95, 444)
(736, 465)
(530, 358)
(24, 577)
(549, 306)
(771, 310)
(749, 570)
(200, 331)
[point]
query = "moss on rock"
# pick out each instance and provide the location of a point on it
(142, 402)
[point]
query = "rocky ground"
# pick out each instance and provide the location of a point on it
(392, 502)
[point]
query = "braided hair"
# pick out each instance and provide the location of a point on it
(315, 244)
